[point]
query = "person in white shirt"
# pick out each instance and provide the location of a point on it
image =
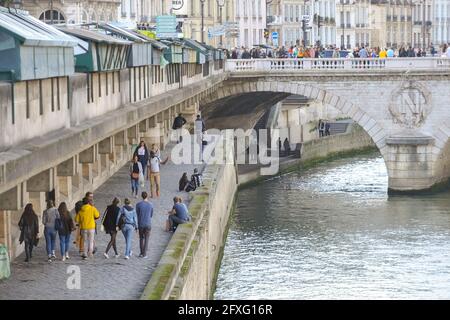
(199, 130)
(448, 51)
(153, 173)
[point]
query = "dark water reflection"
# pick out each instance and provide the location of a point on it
(332, 233)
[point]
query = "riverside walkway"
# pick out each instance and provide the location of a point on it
(101, 278)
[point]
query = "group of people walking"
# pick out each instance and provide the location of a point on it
(125, 218)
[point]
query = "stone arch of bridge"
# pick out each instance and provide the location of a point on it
(310, 91)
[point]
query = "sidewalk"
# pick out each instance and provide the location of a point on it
(101, 278)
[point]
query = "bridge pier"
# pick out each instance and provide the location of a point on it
(410, 164)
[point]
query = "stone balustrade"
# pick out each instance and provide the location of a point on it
(354, 64)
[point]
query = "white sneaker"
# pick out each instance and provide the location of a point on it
(116, 256)
(106, 255)
(67, 256)
(127, 257)
(63, 259)
(131, 253)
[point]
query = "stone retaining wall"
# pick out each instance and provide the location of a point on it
(189, 265)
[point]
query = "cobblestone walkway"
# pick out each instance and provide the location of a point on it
(100, 278)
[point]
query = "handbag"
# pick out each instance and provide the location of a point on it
(135, 175)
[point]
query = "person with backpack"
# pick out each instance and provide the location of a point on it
(109, 223)
(86, 220)
(65, 229)
(49, 219)
(178, 124)
(29, 230)
(127, 222)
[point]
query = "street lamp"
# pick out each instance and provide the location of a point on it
(203, 19)
(220, 3)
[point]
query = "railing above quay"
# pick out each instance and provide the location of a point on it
(354, 64)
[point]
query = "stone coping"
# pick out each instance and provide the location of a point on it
(414, 141)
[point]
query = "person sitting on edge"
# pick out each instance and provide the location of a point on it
(183, 182)
(178, 215)
(197, 178)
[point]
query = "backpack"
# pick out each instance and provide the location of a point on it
(122, 221)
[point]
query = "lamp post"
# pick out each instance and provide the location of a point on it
(203, 19)
(220, 3)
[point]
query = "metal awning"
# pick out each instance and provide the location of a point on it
(155, 43)
(195, 45)
(31, 31)
(123, 33)
(93, 36)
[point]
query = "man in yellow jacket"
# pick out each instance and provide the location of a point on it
(86, 219)
(383, 53)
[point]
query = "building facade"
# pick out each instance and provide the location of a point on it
(131, 12)
(72, 11)
(353, 24)
(441, 22)
(286, 18)
(251, 20)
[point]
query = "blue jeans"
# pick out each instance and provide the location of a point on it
(127, 231)
(64, 244)
(50, 239)
(144, 166)
(134, 185)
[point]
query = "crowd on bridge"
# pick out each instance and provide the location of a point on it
(299, 52)
(58, 220)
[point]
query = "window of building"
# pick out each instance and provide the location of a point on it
(52, 17)
(132, 8)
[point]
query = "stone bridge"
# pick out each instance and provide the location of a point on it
(401, 103)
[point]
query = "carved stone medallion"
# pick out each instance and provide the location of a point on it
(410, 105)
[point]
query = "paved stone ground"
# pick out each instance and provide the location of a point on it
(100, 278)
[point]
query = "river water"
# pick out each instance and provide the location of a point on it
(331, 232)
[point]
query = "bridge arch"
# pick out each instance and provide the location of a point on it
(310, 91)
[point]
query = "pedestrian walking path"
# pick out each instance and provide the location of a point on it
(101, 278)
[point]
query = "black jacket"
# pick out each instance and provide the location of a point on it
(67, 225)
(110, 218)
(29, 231)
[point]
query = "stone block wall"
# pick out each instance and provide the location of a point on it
(189, 266)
